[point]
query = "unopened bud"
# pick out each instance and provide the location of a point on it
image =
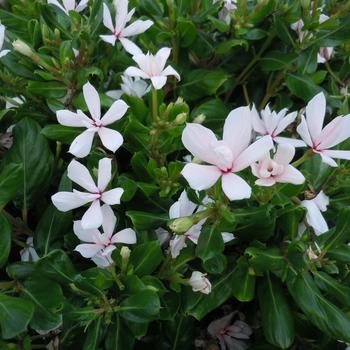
(179, 100)
(305, 4)
(125, 253)
(199, 119)
(180, 118)
(22, 48)
(181, 225)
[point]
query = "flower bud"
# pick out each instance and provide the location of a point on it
(180, 118)
(182, 225)
(199, 119)
(125, 253)
(22, 48)
(305, 4)
(199, 282)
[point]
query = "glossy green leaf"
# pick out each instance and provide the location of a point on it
(93, 335)
(302, 86)
(5, 239)
(119, 336)
(210, 243)
(10, 176)
(277, 61)
(243, 288)
(145, 220)
(64, 134)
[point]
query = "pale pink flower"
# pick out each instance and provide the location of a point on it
(322, 139)
(69, 5)
(110, 138)
(119, 29)
(2, 39)
(153, 67)
(199, 282)
(102, 244)
(314, 216)
(228, 334)
(78, 173)
(270, 171)
(227, 157)
(273, 124)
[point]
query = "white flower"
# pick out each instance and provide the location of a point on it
(130, 86)
(184, 207)
(270, 171)
(314, 216)
(119, 30)
(29, 253)
(272, 123)
(22, 48)
(320, 138)
(110, 138)
(102, 244)
(69, 5)
(229, 7)
(199, 282)
(2, 39)
(226, 157)
(152, 67)
(14, 102)
(78, 173)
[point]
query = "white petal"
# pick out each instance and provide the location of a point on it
(79, 174)
(335, 132)
(304, 133)
(115, 112)
(200, 140)
(315, 113)
(136, 72)
(290, 141)
(314, 217)
(88, 250)
(169, 70)
(227, 236)
(176, 245)
(200, 177)
(158, 82)
(93, 216)
(92, 100)
(291, 175)
(238, 130)
(116, 94)
(65, 201)
(136, 28)
(186, 206)
(337, 154)
(285, 154)
(327, 159)
(235, 187)
(130, 47)
(121, 9)
(113, 196)
(322, 201)
(257, 123)
(109, 220)
(4, 53)
(81, 145)
(82, 5)
(267, 182)
(2, 35)
(110, 39)
(110, 138)
(104, 173)
(85, 235)
(254, 152)
(68, 118)
(287, 120)
(107, 19)
(162, 56)
(126, 236)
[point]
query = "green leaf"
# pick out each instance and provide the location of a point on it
(47, 89)
(276, 316)
(210, 243)
(146, 257)
(145, 221)
(37, 162)
(277, 60)
(244, 286)
(119, 336)
(227, 45)
(15, 315)
(64, 134)
(187, 31)
(320, 311)
(92, 335)
(302, 86)
(5, 239)
(10, 176)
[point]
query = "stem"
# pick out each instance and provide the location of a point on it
(154, 104)
(116, 278)
(308, 154)
(7, 284)
(246, 95)
(330, 71)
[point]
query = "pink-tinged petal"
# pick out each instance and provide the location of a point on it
(107, 18)
(109, 220)
(126, 236)
(169, 70)
(158, 82)
(266, 182)
(110, 138)
(88, 250)
(115, 112)
(81, 145)
(253, 153)
(56, 3)
(327, 159)
(314, 217)
(162, 56)
(315, 113)
(92, 100)
(200, 177)
(85, 235)
(110, 39)
(289, 141)
(137, 27)
(216, 327)
(102, 261)
(304, 133)
(68, 118)
(82, 5)
(287, 120)
(200, 140)
(130, 14)
(130, 47)
(337, 154)
(93, 216)
(284, 154)
(335, 132)
(291, 175)
(65, 201)
(186, 206)
(136, 72)
(112, 197)
(257, 123)
(2, 35)
(108, 250)
(238, 130)
(176, 245)
(79, 174)
(235, 187)
(121, 9)
(174, 210)
(69, 4)
(104, 173)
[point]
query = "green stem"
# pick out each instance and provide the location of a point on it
(116, 278)
(7, 284)
(307, 155)
(154, 104)
(330, 71)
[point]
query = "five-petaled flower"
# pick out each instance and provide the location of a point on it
(233, 154)
(119, 30)
(79, 174)
(322, 139)
(2, 39)
(270, 171)
(272, 123)
(110, 138)
(101, 245)
(152, 67)
(199, 282)
(130, 86)
(69, 5)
